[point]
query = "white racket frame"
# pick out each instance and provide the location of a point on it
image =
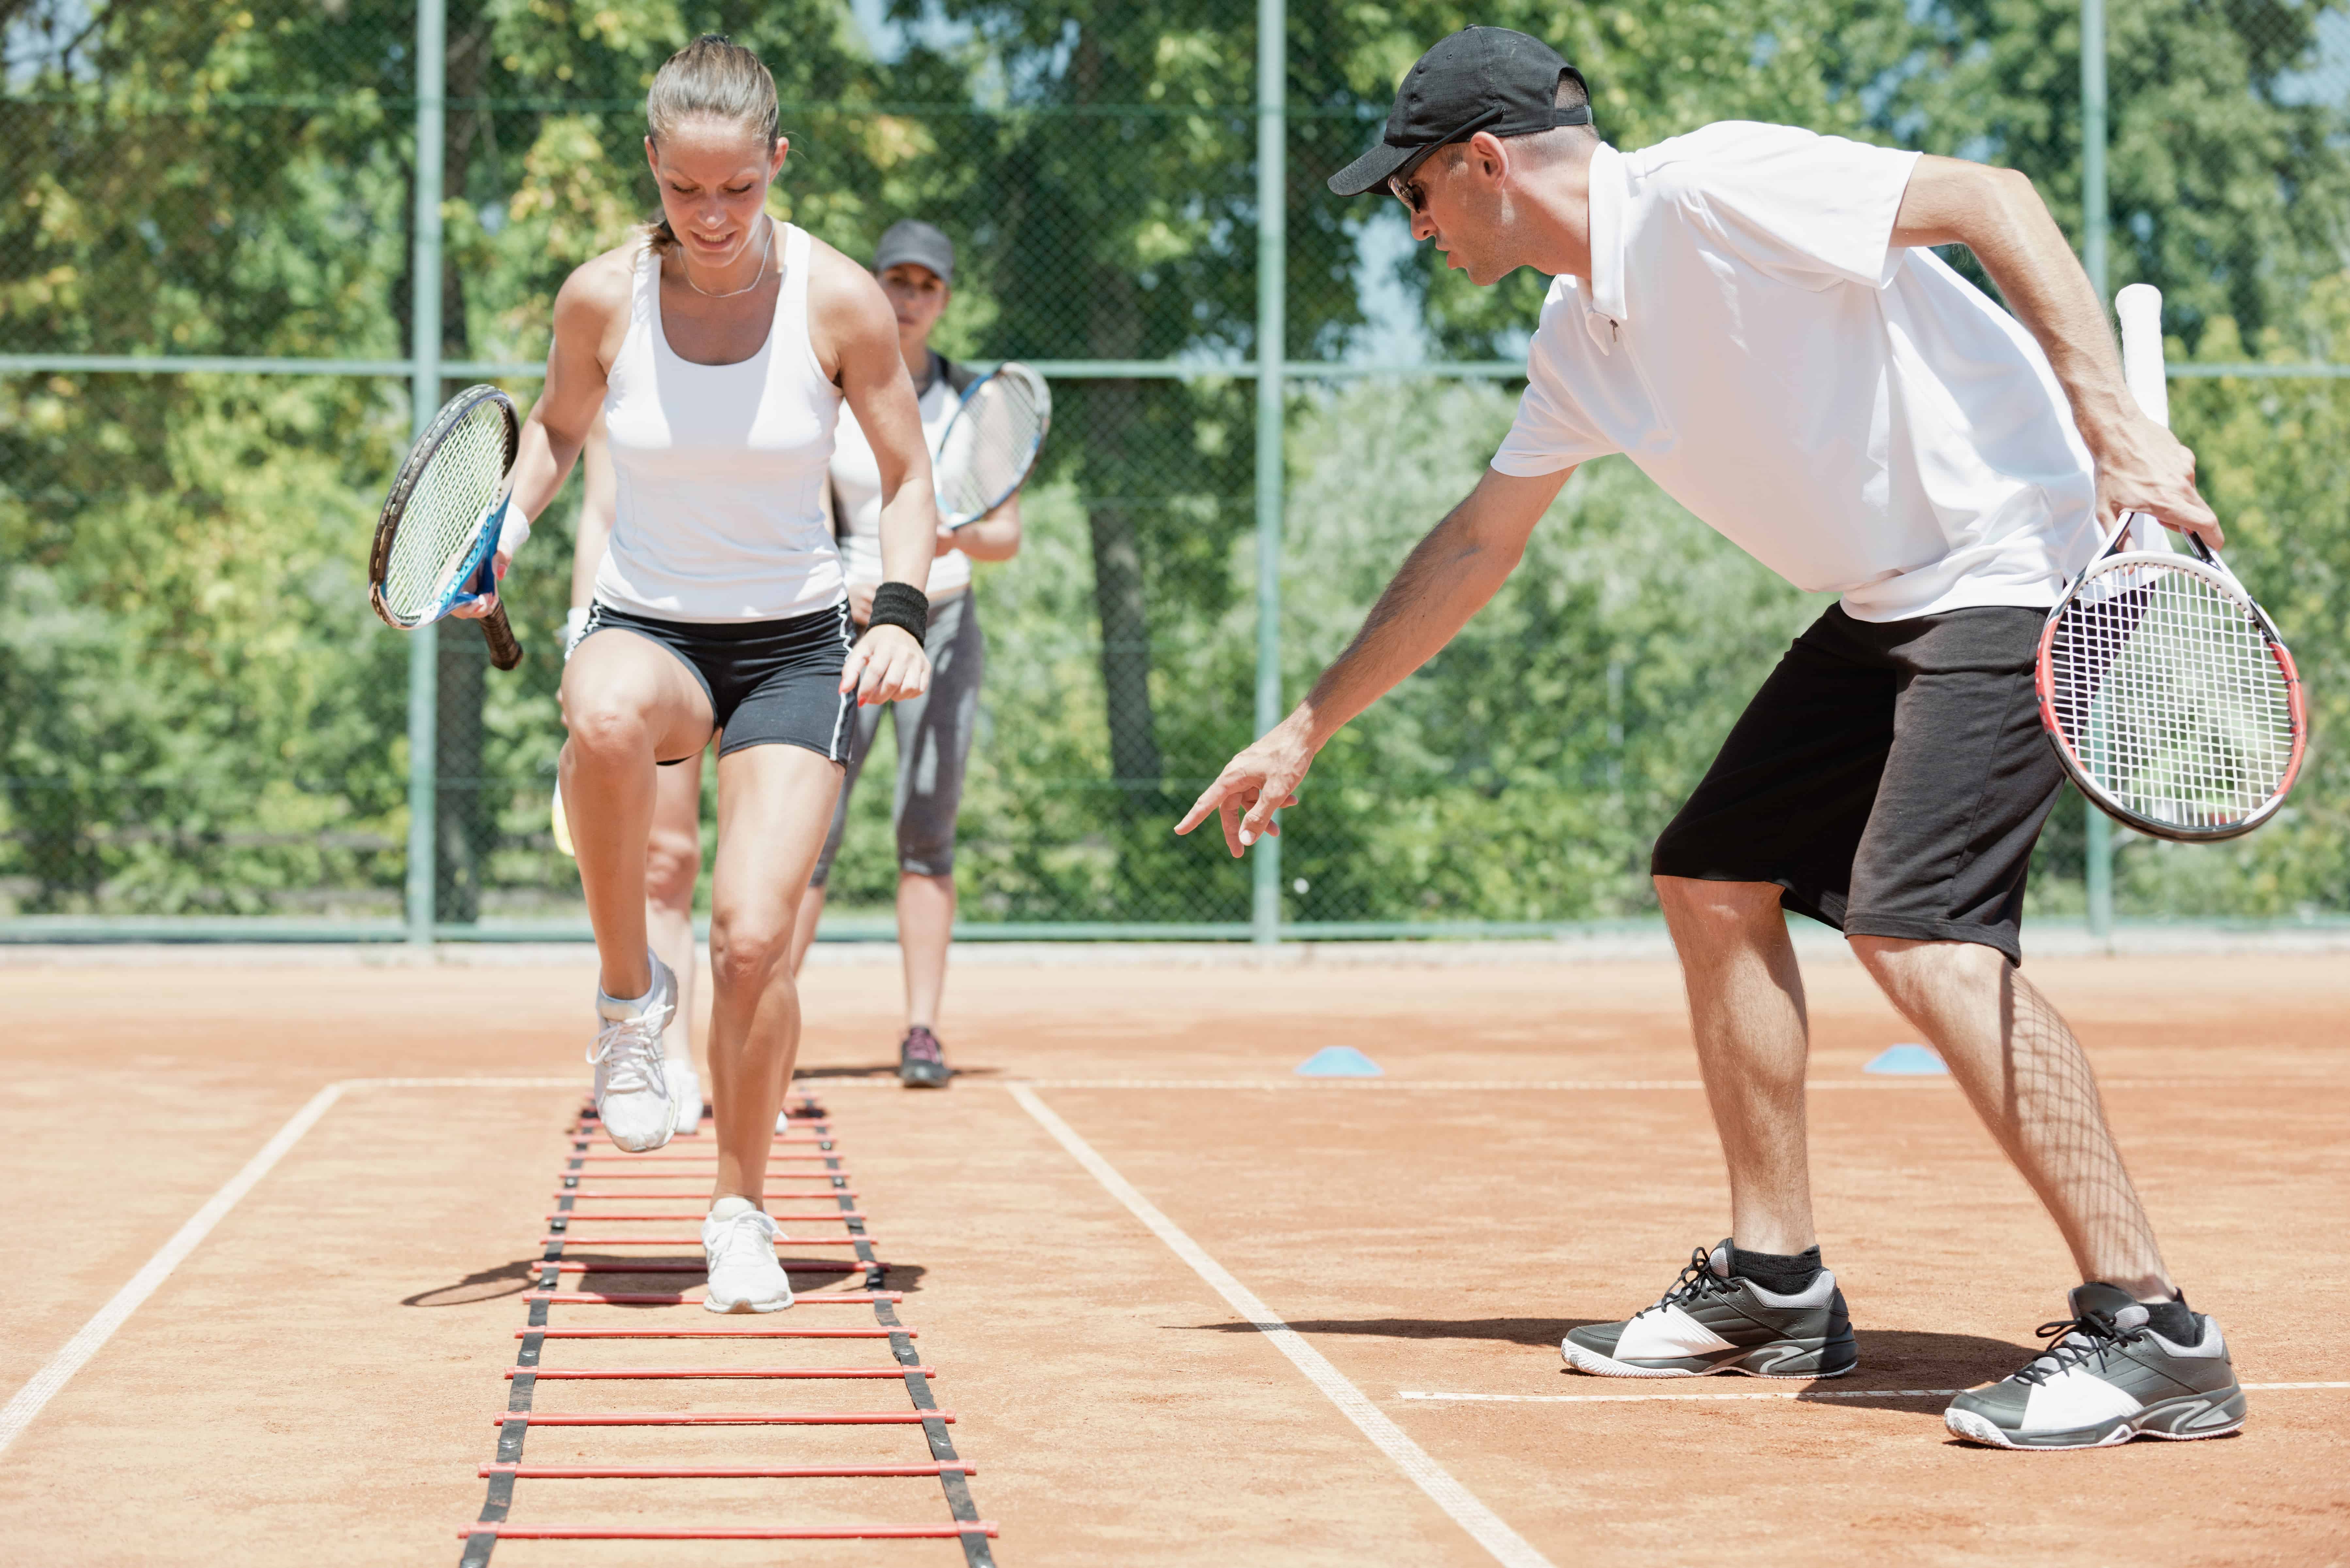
(1035, 453)
(2139, 306)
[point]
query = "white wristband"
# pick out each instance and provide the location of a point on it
(575, 625)
(513, 531)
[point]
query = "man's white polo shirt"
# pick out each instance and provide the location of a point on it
(1858, 418)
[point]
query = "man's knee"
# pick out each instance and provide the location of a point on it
(1694, 900)
(1902, 965)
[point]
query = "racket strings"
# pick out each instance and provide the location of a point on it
(441, 522)
(988, 447)
(2172, 697)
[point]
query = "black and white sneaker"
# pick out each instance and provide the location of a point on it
(1711, 1322)
(2109, 1378)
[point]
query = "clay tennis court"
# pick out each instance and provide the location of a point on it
(322, 1378)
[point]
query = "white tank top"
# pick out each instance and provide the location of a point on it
(856, 489)
(719, 510)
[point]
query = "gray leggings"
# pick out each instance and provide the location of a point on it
(933, 734)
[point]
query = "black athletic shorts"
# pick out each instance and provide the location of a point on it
(770, 683)
(1891, 776)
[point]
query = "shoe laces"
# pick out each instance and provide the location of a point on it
(629, 1050)
(1696, 1283)
(744, 1239)
(2078, 1339)
(921, 1045)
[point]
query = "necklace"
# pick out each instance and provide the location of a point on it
(687, 273)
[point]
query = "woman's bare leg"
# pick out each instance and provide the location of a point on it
(672, 868)
(775, 803)
(628, 702)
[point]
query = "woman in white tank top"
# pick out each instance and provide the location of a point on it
(718, 351)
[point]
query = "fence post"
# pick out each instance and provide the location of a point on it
(2095, 215)
(1271, 283)
(425, 398)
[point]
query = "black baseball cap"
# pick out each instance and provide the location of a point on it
(912, 240)
(1480, 79)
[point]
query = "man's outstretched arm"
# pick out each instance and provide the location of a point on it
(1997, 215)
(1446, 579)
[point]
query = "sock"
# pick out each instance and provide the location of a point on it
(727, 1207)
(631, 1005)
(1777, 1272)
(2171, 1320)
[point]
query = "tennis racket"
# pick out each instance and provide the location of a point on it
(439, 527)
(990, 446)
(2166, 691)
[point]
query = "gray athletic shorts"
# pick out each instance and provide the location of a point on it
(933, 744)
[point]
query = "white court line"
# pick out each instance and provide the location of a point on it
(60, 1369)
(1807, 1395)
(1505, 1085)
(1481, 1522)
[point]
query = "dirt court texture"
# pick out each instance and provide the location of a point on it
(1184, 1305)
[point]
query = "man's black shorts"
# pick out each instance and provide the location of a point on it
(1891, 776)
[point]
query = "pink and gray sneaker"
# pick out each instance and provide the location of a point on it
(922, 1061)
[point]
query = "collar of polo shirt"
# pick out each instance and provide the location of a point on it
(1604, 312)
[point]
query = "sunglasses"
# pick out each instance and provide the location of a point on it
(1404, 183)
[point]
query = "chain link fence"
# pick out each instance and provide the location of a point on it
(200, 720)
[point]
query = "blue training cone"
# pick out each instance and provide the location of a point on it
(1338, 1062)
(1912, 1061)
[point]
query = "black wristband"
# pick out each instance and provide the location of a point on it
(900, 605)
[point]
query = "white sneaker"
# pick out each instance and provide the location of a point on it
(738, 1245)
(685, 1093)
(633, 1098)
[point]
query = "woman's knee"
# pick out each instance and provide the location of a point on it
(749, 953)
(605, 724)
(672, 864)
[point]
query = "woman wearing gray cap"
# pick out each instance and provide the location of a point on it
(916, 265)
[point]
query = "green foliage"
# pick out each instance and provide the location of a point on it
(198, 715)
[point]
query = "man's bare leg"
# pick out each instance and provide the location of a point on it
(2028, 1079)
(1746, 1010)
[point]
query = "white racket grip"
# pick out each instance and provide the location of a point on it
(2139, 306)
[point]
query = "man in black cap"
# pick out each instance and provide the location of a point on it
(1754, 315)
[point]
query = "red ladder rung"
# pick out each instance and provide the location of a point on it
(732, 1532)
(722, 1472)
(565, 1236)
(721, 1418)
(680, 1266)
(677, 1158)
(839, 1214)
(664, 1298)
(697, 1198)
(650, 1374)
(759, 1332)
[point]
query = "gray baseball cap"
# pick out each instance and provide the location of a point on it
(912, 240)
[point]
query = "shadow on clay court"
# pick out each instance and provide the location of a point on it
(522, 1274)
(1545, 1331)
(1898, 1361)
(881, 1070)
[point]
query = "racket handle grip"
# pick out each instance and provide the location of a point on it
(505, 649)
(2140, 308)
